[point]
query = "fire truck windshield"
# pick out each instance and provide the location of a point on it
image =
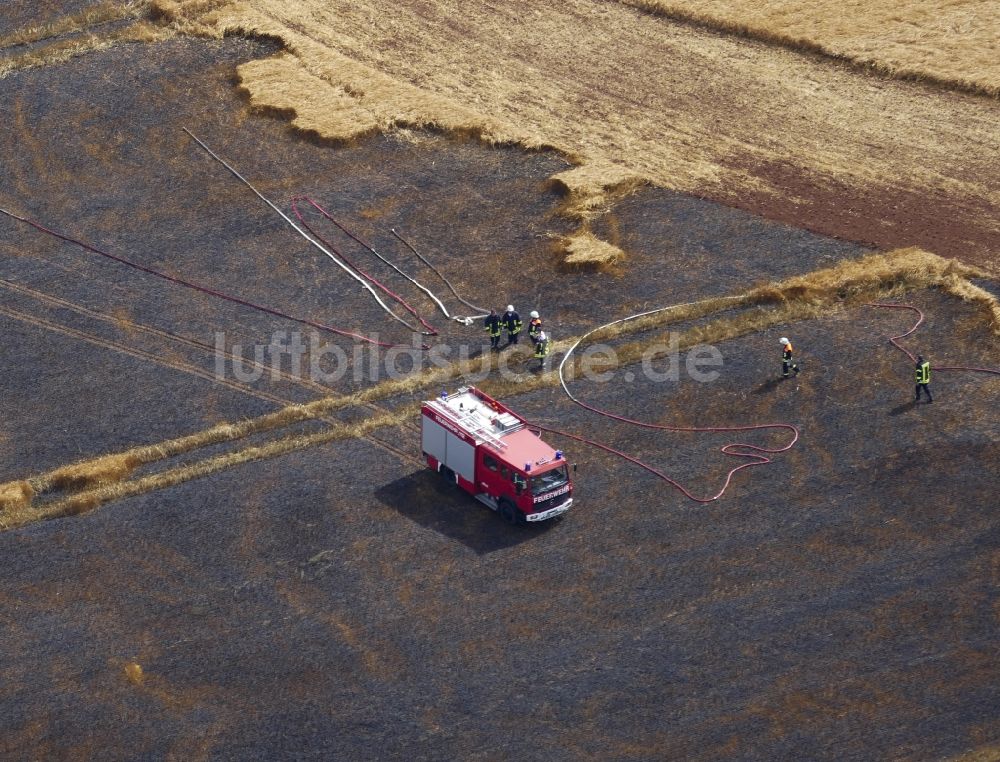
(548, 481)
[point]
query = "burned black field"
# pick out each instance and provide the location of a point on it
(339, 601)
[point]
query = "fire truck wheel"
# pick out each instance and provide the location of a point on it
(509, 511)
(448, 475)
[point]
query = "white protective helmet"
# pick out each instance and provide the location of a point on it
(542, 336)
(534, 313)
(510, 308)
(783, 340)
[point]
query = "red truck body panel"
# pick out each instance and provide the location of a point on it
(491, 454)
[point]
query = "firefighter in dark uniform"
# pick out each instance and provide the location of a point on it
(512, 322)
(534, 327)
(541, 348)
(788, 365)
(923, 369)
(494, 327)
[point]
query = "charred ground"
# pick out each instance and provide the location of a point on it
(339, 601)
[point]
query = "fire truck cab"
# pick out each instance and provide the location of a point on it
(488, 450)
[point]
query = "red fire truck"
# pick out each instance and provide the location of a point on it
(486, 449)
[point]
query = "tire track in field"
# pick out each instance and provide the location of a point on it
(92, 498)
(169, 335)
(305, 383)
(115, 346)
(82, 269)
(182, 367)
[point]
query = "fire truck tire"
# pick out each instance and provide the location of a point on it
(509, 511)
(449, 476)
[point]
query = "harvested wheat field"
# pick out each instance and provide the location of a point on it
(795, 138)
(207, 554)
(949, 42)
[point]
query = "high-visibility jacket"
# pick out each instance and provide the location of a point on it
(493, 325)
(512, 321)
(542, 348)
(923, 372)
(786, 353)
(534, 327)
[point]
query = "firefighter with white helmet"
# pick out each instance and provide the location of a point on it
(541, 347)
(512, 322)
(788, 365)
(534, 326)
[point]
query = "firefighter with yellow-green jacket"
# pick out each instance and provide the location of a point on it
(494, 327)
(512, 322)
(923, 373)
(534, 327)
(541, 347)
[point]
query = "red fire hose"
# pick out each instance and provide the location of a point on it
(430, 330)
(194, 286)
(755, 454)
(920, 320)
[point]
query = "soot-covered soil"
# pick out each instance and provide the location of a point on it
(339, 602)
(840, 603)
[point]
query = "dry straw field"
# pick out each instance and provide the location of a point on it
(98, 27)
(677, 106)
(952, 42)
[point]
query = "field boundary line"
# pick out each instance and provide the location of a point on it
(61, 51)
(101, 14)
(88, 500)
(803, 46)
(176, 365)
(162, 333)
(42, 485)
(800, 297)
